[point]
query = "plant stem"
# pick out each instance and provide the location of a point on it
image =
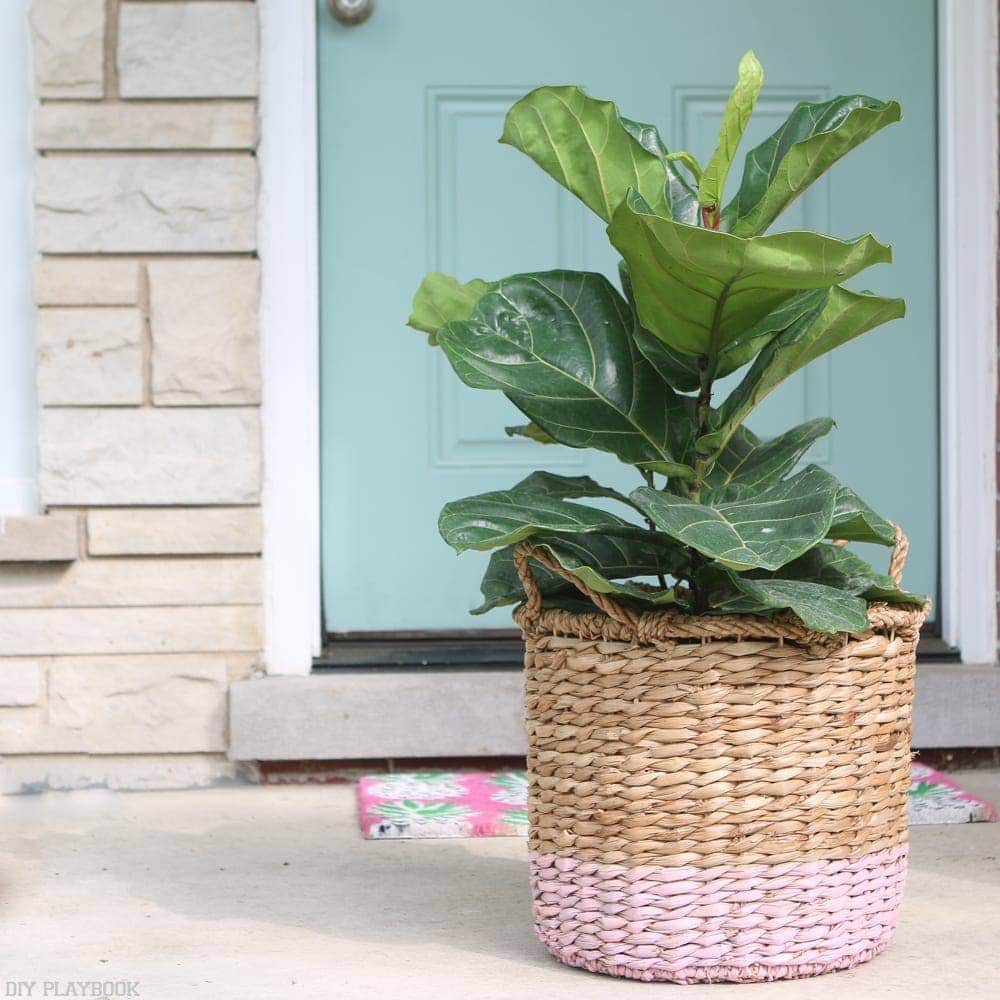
(651, 483)
(699, 596)
(706, 376)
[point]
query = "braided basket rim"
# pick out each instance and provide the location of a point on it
(667, 625)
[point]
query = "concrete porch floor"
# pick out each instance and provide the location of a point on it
(267, 892)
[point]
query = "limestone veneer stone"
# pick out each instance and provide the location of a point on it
(89, 356)
(68, 50)
(174, 531)
(87, 282)
(131, 457)
(140, 704)
(39, 538)
(199, 49)
(75, 631)
(20, 682)
(145, 203)
(203, 318)
(146, 125)
(132, 582)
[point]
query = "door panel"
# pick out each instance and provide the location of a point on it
(412, 180)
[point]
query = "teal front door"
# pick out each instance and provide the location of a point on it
(412, 180)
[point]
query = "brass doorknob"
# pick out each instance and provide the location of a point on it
(351, 12)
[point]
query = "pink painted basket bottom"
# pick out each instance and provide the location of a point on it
(744, 923)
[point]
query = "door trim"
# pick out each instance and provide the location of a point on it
(289, 237)
(967, 245)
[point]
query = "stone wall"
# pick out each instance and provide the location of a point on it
(131, 603)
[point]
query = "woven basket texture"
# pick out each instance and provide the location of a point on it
(716, 797)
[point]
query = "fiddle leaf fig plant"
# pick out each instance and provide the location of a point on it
(719, 520)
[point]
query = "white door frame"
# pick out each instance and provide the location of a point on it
(288, 242)
(288, 238)
(967, 226)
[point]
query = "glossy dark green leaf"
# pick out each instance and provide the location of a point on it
(808, 143)
(855, 521)
(531, 431)
(602, 561)
(490, 520)
(559, 346)
(823, 608)
(735, 118)
(844, 315)
(682, 198)
(441, 299)
(747, 465)
(550, 484)
(698, 290)
(584, 144)
(678, 370)
(747, 345)
(837, 567)
(894, 595)
(767, 530)
(681, 370)
(501, 585)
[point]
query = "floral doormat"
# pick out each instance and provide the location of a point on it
(426, 804)
(935, 798)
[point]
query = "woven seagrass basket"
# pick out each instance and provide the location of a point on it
(715, 797)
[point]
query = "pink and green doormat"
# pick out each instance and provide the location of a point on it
(426, 804)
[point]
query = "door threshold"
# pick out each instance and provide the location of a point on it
(499, 649)
(505, 650)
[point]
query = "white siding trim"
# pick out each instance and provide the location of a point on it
(967, 158)
(288, 238)
(18, 408)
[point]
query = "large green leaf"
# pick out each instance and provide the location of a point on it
(501, 585)
(490, 520)
(441, 299)
(747, 345)
(855, 521)
(813, 137)
(842, 316)
(584, 144)
(819, 607)
(601, 561)
(559, 346)
(735, 118)
(747, 465)
(682, 199)
(530, 431)
(767, 530)
(549, 484)
(678, 370)
(698, 290)
(681, 370)
(835, 566)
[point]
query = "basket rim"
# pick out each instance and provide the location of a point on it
(902, 620)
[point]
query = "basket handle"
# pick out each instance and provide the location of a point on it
(900, 550)
(524, 553)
